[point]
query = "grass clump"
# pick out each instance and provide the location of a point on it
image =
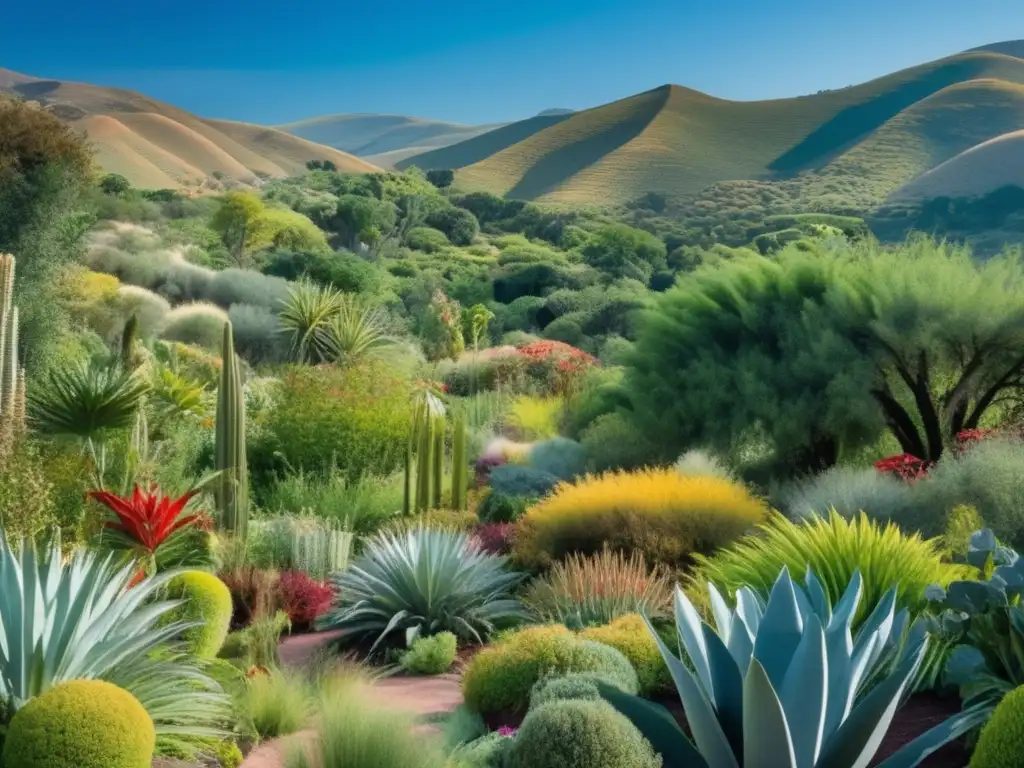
(277, 702)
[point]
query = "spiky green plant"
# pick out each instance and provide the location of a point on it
(356, 331)
(232, 490)
(12, 377)
(425, 456)
(460, 467)
(306, 315)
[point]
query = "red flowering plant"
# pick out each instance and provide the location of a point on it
(151, 524)
(561, 364)
(302, 597)
(495, 538)
(904, 466)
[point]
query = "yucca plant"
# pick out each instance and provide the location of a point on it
(76, 619)
(594, 591)
(306, 316)
(782, 682)
(422, 582)
(356, 331)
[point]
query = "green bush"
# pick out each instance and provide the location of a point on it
(612, 441)
(579, 734)
(207, 600)
(426, 239)
(1001, 744)
(485, 752)
(354, 418)
(277, 703)
(199, 324)
(81, 724)
(509, 482)
(575, 685)
(430, 655)
(458, 224)
(565, 459)
(630, 636)
(501, 676)
(849, 491)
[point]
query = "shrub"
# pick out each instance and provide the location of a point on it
(81, 724)
(150, 309)
(420, 583)
(362, 505)
(565, 459)
(458, 224)
(612, 441)
(596, 590)
(243, 286)
(702, 464)
(849, 492)
(667, 516)
(277, 703)
(354, 418)
(509, 482)
(1002, 739)
(430, 655)
(257, 334)
(199, 324)
(630, 636)
(501, 676)
(575, 685)
(302, 597)
(579, 734)
(834, 548)
(534, 418)
(495, 538)
(485, 752)
(426, 239)
(208, 601)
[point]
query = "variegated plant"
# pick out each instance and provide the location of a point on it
(787, 684)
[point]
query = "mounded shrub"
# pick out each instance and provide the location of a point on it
(81, 724)
(430, 655)
(576, 685)
(848, 491)
(200, 324)
(612, 441)
(426, 239)
(565, 459)
(257, 334)
(579, 734)
(834, 548)
(1002, 739)
(243, 286)
(501, 676)
(207, 600)
(667, 516)
(149, 308)
(630, 636)
(510, 482)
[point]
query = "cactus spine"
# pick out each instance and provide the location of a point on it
(12, 377)
(233, 484)
(425, 456)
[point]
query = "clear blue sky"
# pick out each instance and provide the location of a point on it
(271, 61)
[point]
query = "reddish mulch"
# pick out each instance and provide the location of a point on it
(920, 713)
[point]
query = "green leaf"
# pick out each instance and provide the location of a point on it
(658, 727)
(766, 738)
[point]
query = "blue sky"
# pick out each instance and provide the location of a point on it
(269, 61)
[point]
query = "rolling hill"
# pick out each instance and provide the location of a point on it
(992, 164)
(383, 139)
(156, 145)
(871, 139)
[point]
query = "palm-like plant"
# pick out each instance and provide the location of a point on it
(422, 582)
(87, 400)
(77, 620)
(356, 331)
(306, 315)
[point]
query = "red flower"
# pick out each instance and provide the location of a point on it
(904, 466)
(147, 518)
(302, 597)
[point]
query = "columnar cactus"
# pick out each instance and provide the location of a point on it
(12, 377)
(232, 488)
(425, 454)
(460, 466)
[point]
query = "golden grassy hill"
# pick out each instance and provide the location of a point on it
(156, 145)
(990, 165)
(385, 138)
(676, 141)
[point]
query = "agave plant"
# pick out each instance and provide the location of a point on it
(306, 316)
(356, 331)
(87, 400)
(422, 582)
(73, 620)
(783, 683)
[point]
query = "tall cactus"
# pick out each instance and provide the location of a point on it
(425, 455)
(232, 488)
(12, 378)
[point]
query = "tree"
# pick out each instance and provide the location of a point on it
(115, 184)
(458, 224)
(321, 165)
(354, 216)
(619, 250)
(442, 179)
(234, 220)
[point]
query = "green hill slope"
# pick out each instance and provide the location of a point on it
(679, 142)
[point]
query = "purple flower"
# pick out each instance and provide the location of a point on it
(507, 731)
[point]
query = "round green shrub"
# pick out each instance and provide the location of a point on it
(576, 685)
(560, 456)
(81, 724)
(486, 752)
(511, 481)
(500, 678)
(579, 734)
(430, 655)
(426, 239)
(199, 324)
(1002, 739)
(207, 600)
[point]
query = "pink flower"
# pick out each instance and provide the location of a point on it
(507, 731)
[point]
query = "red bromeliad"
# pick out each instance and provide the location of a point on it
(904, 466)
(147, 517)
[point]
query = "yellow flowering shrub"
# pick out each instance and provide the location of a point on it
(667, 516)
(630, 636)
(534, 418)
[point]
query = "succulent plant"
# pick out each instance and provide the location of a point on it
(786, 683)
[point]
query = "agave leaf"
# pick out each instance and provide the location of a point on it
(804, 693)
(727, 681)
(722, 612)
(688, 624)
(818, 597)
(658, 727)
(780, 630)
(766, 736)
(935, 738)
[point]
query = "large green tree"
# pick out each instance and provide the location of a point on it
(816, 352)
(619, 250)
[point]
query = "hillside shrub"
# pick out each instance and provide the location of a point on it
(834, 548)
(354, 418)
(630, 636)
(199, 324)
(667, 516)
(591, 591)
(244, 286)
(80, 724)
(208, 601)
(534, 418)
(849, 491)
(149, 309)
(565, 459)
(513, 488)
(501, 676)
(579, 734)
(430, 655)
(613, 442)
(426, 239)
(1002, 739)
(257, 334)
(575, 685)
(458, 224)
